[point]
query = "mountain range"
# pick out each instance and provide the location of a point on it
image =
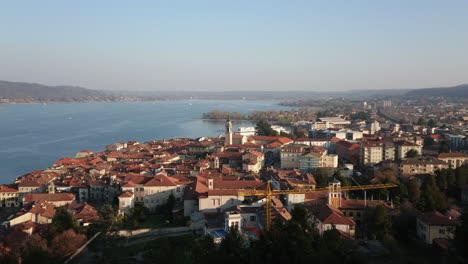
(21, 92)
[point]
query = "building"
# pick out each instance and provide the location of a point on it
(325, 133)
(421, 165)
(57, 199)
(348, 151)
(306, 158)
(41, 213)
(228, 133)
(9, 196)
(454, 160)
(126, 202)
(328, 216)
(335, 122)
(214, 192)
(455, 142)
(246, 131)
(253, 161)
(403, 147)
(434, 225)
(372, 152)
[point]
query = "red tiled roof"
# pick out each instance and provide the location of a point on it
(452, 155)
(44, 209)
(126, 194)
(8, 188)
(436, 219)
(49, 197)
(160, 180)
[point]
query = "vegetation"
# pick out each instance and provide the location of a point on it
(361, 116)
(278, 117)
(412, 153)
(264, 129)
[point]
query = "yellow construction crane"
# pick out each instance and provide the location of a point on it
(269, 192)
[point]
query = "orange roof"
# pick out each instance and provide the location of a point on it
(49, 197)
(452, 155)
(126, 194)
(8, 188)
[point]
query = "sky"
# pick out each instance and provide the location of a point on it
(235, 45)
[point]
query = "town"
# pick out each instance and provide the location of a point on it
(375, 174)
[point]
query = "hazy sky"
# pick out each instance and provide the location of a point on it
(235, 45)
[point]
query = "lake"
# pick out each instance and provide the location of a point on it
(33, 136)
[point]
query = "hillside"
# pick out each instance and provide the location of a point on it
(455, 91)
(32, 92)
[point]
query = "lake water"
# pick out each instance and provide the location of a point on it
(33, 136)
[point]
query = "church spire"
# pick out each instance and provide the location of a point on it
(228, 133)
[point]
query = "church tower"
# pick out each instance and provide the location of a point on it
(51, 187)
(228, 139)
(334, 193)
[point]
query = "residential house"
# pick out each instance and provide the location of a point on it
(421, 165)
(253, 161)
(454, 159)
(403, 147)
(433, 225)
(9, 196)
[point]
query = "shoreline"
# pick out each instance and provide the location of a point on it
(134, 101)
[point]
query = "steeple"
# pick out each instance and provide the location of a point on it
(228, 139)
(334, 193)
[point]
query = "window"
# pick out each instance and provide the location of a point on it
(442, 231)
(351, 214)
(178, 189)
(253, 218)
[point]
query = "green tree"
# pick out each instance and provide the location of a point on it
(421, 121)
(264, 129)
(444, 148)
(414, 192)
(431, 123)
(62, 221)
(379, 223)
(300, 132)
(412, 153)
(344, 180)
(431, 197)
(461, 237)
(231, 248)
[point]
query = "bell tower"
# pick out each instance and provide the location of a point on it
(334, 193)
(228, 139)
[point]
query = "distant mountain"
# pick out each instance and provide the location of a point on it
(33, 92)
(455, 91)
(19, 91)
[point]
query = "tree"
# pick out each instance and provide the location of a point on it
(421, 121)
(444, 148)
(62, 221)
(27, 248)
(431, 123)
(412, 153)
(379, 222)
(431, 197)
(414, 193)
(264, 129)
(231, 248)
(300, 132)
(461, 236)
(344, 180)
(66, 243)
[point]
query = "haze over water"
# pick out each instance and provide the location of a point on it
(33, 136)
